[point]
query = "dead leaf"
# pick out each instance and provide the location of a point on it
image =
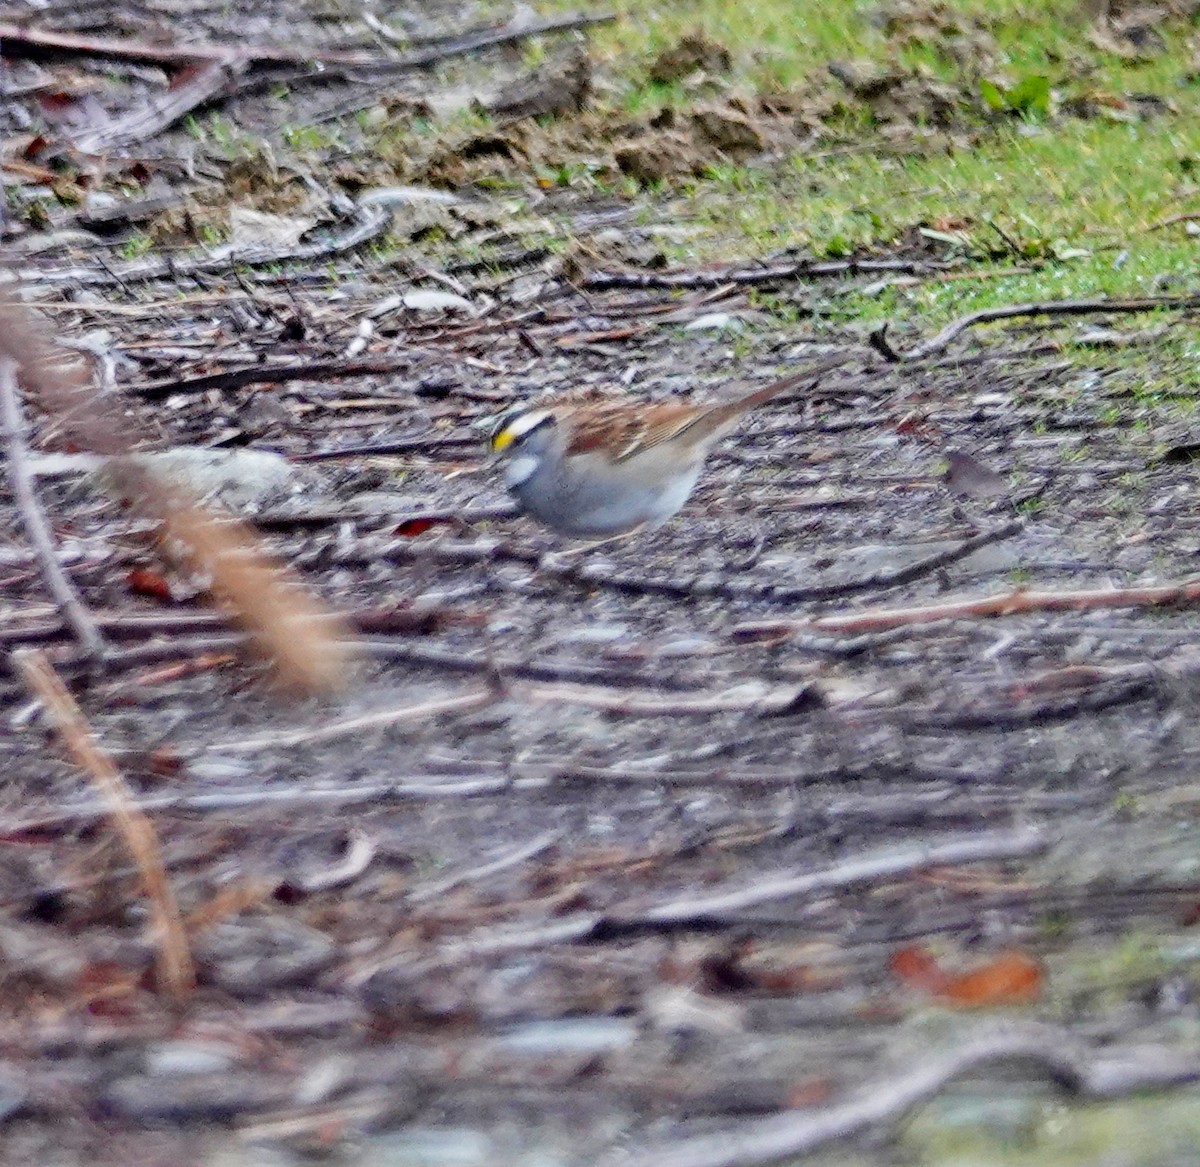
(1010, 978)
(968, 476)
(144, 581)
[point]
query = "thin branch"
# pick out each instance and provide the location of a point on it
(331, 731)
(434, 787)
(648, 703)
(366, 223)
(487, 38)
(174, 960)
(37, 527)
(1047, 1051)
(600, 281)
(598, 575)
(1010, 603)
(232, 379)
(593, 925)
(505, 862)
(874, 868)
(1099, 307)
(22, 40)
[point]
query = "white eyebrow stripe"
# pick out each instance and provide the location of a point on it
(522, 424)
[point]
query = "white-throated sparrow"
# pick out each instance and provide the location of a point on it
(596, 471)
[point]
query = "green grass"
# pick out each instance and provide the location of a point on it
(1068, 200)
(779, 44)
(1067, 197)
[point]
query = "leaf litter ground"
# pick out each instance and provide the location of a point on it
(603, 854)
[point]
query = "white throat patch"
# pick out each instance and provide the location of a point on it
(520, 468)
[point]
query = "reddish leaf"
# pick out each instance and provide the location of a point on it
(35, 146)
(142, 581)
(107, 988)
(413, 527)
(1189, 917)
(916, 966)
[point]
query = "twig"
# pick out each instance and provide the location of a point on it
(173, 958)
(416, 621)
(589, 925)
(1171, 220)
(646, 703)
(1009, 603)
(1099, 307)
(992, 710)
(331, 731)
(511, 859)
(37, 527)
(430, 445)
(487, 38)
(270, 374)
(21, 40)
(593, 575)
(433, 787)
(719, 905)
(1046, 1050)
(600, 281)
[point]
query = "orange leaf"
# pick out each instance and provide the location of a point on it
(1012, 978)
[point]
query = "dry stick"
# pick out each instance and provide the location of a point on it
(1010, 603)
(580, 927)
(417, 621)
(173, 958)
(272, 375)
(1050, 1051)
(600, 281)
(67, 599)
(1101, 307)
(339, 796)
(513, 859)
(599, 576)
(331, 731)
(648, 703)
(972, 849)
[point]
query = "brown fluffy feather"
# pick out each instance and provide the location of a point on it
(630, 429)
